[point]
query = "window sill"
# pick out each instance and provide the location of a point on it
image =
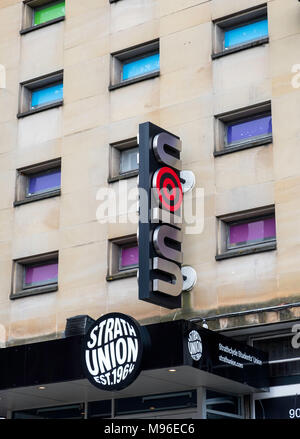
(260, 42)
(242, 146)
(41, 26)
(34, 291)
(122, 275)
(38, 197)
(38, 110)
(247, 251)
(133, 81)
(124, 176)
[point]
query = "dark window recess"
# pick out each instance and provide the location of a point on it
(99, 409)
(75, 411)
(153, 403)
(280, 349)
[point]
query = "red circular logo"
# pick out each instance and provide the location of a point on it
(168, 188)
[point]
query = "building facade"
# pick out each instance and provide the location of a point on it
(77, 80)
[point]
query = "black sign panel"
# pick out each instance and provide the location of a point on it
(224, 356)
(112, 352)
(286, 407)
(160, 235)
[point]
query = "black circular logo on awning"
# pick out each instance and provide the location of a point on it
(112, 352)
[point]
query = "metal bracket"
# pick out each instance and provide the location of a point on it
(189, 278)
(188, 180)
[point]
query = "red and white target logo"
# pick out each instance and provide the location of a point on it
(168, 188)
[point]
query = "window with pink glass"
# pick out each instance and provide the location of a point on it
(128, 257)
(251, 232)
(40, 274)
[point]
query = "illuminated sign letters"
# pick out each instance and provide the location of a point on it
(160, 235)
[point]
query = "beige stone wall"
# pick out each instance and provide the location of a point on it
(190, 90)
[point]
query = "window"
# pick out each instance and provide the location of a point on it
(123, 257)
(40, 13)
(74, 411)
(38, 181)
(243, 128)
(35, 275)
(240, 31)
(41, 94)
(48, 12)
(128, 256)
(244, 34)
(223, 406)
(246, 232)
(123, 160)
(135, 64)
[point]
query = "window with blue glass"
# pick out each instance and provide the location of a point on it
(249, 130)
(139, 67)
(47, 95)
(43, 182)
(246, 33)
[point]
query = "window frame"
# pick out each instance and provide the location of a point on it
(223, 223)
(27, 87)
(134, 53)
(115, 151)
(19, 288)
(37, 174)
(43, 6)
(114, 254)
(246, 221)
(233, 21)
(22, 182)
(34, 285)
(29, 7)
(222, 120)
(250, 140)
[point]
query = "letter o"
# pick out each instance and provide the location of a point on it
(121, 359)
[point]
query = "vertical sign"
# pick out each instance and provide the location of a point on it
(160, 206)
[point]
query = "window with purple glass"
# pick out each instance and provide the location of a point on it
(129, 257)
(249, 130)
(251, 232)
(40, 274)
(43, 182)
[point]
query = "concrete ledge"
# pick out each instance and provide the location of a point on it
(122, 275)
(34, 291)
(38, 110)
(241, 147)
(256, 43)
(38, 197)
(40, 26)
(247, 251)
(134, 81)
(123, 176)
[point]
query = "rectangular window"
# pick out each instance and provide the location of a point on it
(123, 160)
(41, 93)
(40, 274)
(245, 34)
(246, 232)
(35, 275)
(47, 95)
(129, 160)
(38, 181)
(251, 232)
(123, 257)
(135, 64)
(48, 12)
(139, 67)
(43, 182)
(244, 128)
(240, 31)
(250, 129)
(129, 257)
